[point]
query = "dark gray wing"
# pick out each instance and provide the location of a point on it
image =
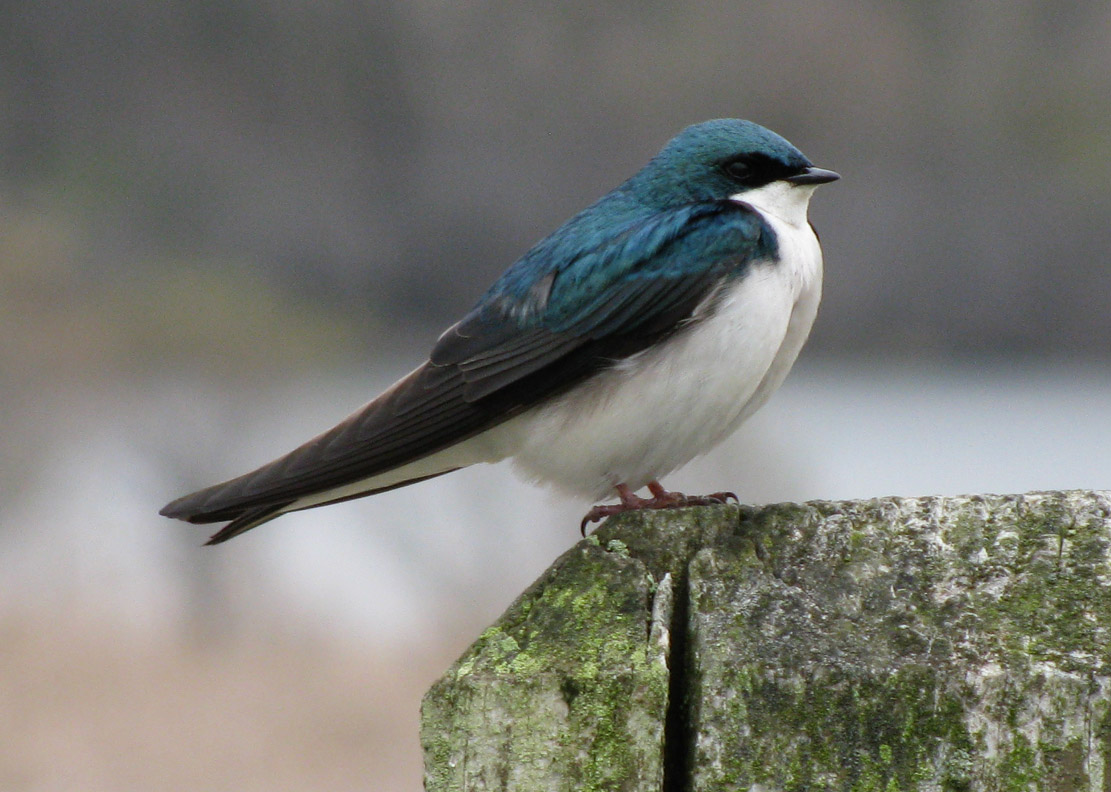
(604, 304)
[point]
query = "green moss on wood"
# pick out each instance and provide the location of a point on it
(941, 644)
(905, 644)
(569, 679)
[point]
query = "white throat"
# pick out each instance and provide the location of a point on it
(781, 199)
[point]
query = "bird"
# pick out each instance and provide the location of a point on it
(635, 337)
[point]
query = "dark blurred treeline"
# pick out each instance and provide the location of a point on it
(208, 182)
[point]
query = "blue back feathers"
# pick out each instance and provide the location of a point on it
(634, 253)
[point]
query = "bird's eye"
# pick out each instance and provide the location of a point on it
(738, 169)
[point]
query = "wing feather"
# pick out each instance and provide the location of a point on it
(597, 304)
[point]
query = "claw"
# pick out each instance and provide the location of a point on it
(718, 497)
(599, 513)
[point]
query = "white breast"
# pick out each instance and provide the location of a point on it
(657, 410)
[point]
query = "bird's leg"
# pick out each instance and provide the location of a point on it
(661, 499)
(670, 500)
(674, 500)
(630, 501)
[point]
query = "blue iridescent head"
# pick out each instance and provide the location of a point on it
(718, 159)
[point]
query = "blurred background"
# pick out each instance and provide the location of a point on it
(225, 224)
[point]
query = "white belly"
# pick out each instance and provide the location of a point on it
(657, 410)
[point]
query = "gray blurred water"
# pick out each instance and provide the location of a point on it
(83, 530)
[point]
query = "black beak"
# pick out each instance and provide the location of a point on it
(814, 175)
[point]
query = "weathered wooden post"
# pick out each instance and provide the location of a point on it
(941, 644)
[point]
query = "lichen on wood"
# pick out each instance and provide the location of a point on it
(941, 644)
(906, 644)
(568, 690)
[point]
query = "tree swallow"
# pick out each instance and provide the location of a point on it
(637, 336)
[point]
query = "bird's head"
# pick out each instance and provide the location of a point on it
(730, 159)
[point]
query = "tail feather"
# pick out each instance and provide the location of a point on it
(194, 508)
(252, 518)
(211, 505)
(415, 430)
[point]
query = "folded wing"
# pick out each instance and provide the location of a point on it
(545, 326)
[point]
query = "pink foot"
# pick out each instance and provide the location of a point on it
(661, 499)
